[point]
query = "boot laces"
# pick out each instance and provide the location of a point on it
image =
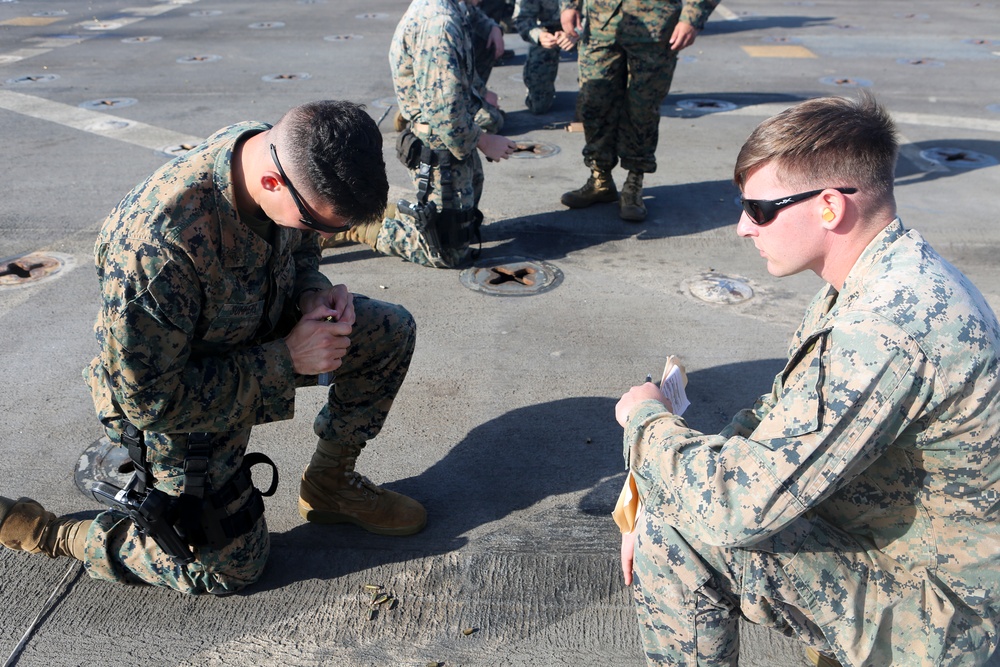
(362, 483)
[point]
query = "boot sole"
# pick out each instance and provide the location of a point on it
(632, 216)
(330, 518)
(571, 202)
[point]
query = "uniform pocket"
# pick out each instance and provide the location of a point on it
(235, 323)
(798, 410)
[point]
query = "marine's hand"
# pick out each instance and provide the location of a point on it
(337, 298)
(495, 147)
(683, 36)
(343, 303)
(495, 42)
(547, 40)
(570, 19)
(566, 40)
(642, 392)
(317, 345)
(628, 550)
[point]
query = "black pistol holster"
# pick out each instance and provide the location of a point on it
(196, 518)
(448, 227)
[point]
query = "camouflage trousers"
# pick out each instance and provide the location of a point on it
(870, 610)
(621, 89)
(382, 342)
(404, 236)
(690, 597)
(540, 70)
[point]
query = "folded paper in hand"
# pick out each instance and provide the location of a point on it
(672, 386)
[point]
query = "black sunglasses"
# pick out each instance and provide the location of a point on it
(306, 218)
(762, 211)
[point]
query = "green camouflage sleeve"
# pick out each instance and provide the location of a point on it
(151, 301)
(444, 88)
(526, 13)
(845, 396)
(696, 12)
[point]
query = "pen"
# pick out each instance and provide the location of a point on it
(649, 377)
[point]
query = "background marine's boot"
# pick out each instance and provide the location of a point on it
(630, 206)
(599, 188)
(365, 232)
(331, 492)
(820, 659)
(27, 526)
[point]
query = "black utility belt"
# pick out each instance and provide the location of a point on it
(412, 151)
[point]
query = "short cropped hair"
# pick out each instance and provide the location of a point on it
(827, 142)
(337, 148)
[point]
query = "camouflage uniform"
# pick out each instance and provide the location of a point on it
(626, 66)
(532, 18)
(442, 95)
(855, 505)
(195, 304)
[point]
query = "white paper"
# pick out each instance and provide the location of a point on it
(672, 387)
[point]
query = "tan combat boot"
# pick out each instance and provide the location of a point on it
(599, 188)
(365, 232)
(400, 122)
(630, 206)
(27, 526)
(820, 659)
(331, 492)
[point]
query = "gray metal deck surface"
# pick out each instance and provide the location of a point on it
(504, 427)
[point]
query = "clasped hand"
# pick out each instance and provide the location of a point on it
(319, 341)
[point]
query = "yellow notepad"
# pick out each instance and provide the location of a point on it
(672, 385)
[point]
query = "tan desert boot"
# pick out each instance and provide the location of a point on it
(332, 492)
(27, 526)
(819, 659)
(365, 232)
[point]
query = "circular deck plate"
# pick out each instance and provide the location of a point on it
(845, 82)
(32, 269)
(719, 288)
(706, 105)
(33, 78)
(958, 158)
(102, 461)
(108, 103)
(284, 78)
(531, 149)
(512, 276)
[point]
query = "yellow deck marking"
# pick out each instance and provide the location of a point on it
(779, 51)
(31, 20)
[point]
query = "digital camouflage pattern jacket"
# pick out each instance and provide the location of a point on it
(640, 20)
(434, 75)
(190, 296)
(872, 469)
(533, 17)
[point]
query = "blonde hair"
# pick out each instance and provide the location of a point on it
(827, 142)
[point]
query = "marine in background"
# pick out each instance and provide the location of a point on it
(449, 117)
(627, 56)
